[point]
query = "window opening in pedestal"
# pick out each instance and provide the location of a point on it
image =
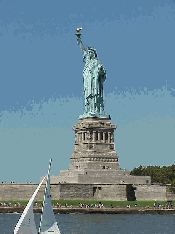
(106, 136)
(96, 136)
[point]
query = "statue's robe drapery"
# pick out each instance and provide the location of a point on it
(94, 75)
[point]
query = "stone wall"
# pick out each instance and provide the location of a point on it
(93, 192)
(111, 178)
(76, 192)
(105, 176)
(151, 192)
(170, 196)
(19, 192)
(111, 192)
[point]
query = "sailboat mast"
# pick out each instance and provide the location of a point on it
(48, 181)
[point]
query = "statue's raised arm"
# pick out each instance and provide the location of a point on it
(79, 41)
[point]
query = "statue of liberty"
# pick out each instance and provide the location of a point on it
(94, 75)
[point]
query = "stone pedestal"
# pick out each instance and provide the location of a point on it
(94, 145)
(94, 160)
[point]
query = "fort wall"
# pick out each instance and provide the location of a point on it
(65, 191)
(153, 192)
(19, 192)
(93, 192)
(98, 177)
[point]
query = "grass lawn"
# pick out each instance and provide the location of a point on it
(105, 203)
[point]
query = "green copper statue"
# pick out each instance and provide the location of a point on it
(94, 75)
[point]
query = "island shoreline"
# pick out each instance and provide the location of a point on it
(104, 210)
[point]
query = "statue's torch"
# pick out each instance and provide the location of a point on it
(78, 34)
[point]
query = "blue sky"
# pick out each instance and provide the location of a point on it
(41, 85)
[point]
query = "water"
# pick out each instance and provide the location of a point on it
(101, 223)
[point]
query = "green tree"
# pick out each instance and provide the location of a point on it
(162, 175)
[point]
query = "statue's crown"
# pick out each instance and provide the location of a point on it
(89, 48)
